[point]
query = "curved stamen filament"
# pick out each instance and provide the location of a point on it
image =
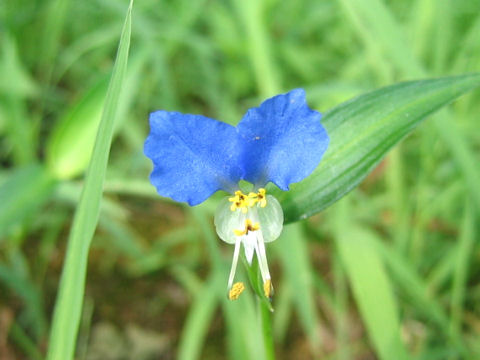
(263, 264)
(233, 269)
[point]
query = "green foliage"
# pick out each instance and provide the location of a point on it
(361, 132)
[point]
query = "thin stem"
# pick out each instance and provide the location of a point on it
(266, 327)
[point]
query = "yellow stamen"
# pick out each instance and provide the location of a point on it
(236, 290)
(267, 288)
(239, 201)
(262, 197)
(249, 226)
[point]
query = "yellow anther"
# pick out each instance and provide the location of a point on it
(249, 226)
(262, 197)
(236, 290)
(267, 288)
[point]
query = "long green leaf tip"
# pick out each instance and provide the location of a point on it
(69, 301)
(361, 132)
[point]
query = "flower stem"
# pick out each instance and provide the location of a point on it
(266, 327)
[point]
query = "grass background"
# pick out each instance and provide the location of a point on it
(157, 272)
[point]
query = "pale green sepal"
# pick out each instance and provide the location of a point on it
(227, 220)
(271, 219)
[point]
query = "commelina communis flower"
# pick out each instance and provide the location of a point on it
(282, 141)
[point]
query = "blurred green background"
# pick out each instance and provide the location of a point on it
(156, 286)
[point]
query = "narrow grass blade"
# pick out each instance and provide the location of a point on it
(292, 248)
(464, 254)
(25, 289)
(16, 82)
(372, 292)
(21, 339)
(57, 11)
(380, 29)
(362, 131)
(283, 310)
(236, 341)
(251, 15)
(18, 129)
(341, 311)
(70, 297)
(243, 322)
(21, 194)
(374, 17)
(199, 319)
(418, 293)
(16, 87)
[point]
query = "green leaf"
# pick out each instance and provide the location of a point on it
(361, 132)
(69, 301)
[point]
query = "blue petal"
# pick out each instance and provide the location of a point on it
(283, 140)
(193, 156)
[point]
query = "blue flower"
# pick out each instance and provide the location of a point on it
(281, 141)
